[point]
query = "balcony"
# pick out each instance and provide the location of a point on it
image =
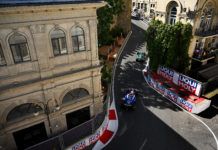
(205, 56)
(204, 33)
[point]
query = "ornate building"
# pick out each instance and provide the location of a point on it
(171, 11)
(50, 78)
(204, 45)
(205, 27)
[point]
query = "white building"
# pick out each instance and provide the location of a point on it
(147, 7)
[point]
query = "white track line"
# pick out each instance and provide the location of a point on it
(191, 115)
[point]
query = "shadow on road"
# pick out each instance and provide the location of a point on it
(140, 129)
(132, 72)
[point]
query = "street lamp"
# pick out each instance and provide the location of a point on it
(47, 111)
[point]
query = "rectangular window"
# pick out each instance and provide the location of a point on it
(24, 52)
(55, 46)
(16, 53)
(81, 43)
(63, 45)
(20, 52)
(2, 58)
(75, 43)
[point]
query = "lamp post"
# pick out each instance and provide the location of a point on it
(47, 111)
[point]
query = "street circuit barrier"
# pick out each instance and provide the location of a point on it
(176, 94)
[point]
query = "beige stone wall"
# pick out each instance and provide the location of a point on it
(47, 78)
(201, 5)
(183, 7)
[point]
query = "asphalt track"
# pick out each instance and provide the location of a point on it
(156, 123)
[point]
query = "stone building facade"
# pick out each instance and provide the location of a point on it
(172, 11)
(205, 29)
(145, 7)
(49, 68)
(203, 48)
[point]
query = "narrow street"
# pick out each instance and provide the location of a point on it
(156, 123)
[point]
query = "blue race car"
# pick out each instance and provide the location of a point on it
(129, 100)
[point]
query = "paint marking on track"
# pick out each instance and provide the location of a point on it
(143, 144)
(216, 107)
(123, 130)
(194, 117)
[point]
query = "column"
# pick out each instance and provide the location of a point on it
(93, 42)
(41, 42)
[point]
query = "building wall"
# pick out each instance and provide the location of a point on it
(205, 37)
(145, 7)
(46, 79)
(184, 8)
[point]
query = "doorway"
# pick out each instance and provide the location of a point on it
(30, 136)
(77, 117)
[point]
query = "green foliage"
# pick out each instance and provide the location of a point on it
(106, 74)
(168, 45)
(116, 31)
(105, 19)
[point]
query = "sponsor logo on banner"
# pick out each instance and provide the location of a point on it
(189, 84)
(160, 88)
(80, 145)
(171, 95)
(151, 82)
(91, 139)
(165, 72)
(94, 138)
(185, 104)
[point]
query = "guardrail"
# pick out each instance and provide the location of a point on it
(210, 32)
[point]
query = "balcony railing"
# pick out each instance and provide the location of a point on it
(201, 55)
(202, 32)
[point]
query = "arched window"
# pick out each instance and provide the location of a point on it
(142, 5)
(207, 17)
(19, 48)
(172, 17)
(23, 110)
(75, 95)
(58, 40)
(2, 57)
(78, 39)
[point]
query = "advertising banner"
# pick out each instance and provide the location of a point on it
(171, 95)
(151, 81)
(189, 84)
(181, 80)
(160, 88)
(185, 104)
(90, 139)
(165, 72)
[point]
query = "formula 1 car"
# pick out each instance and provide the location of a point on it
(129, 100)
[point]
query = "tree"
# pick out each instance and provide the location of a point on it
(168, 45)
(153, 45)
(105, 19)
(106, 72)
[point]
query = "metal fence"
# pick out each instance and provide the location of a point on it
(73, 135)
